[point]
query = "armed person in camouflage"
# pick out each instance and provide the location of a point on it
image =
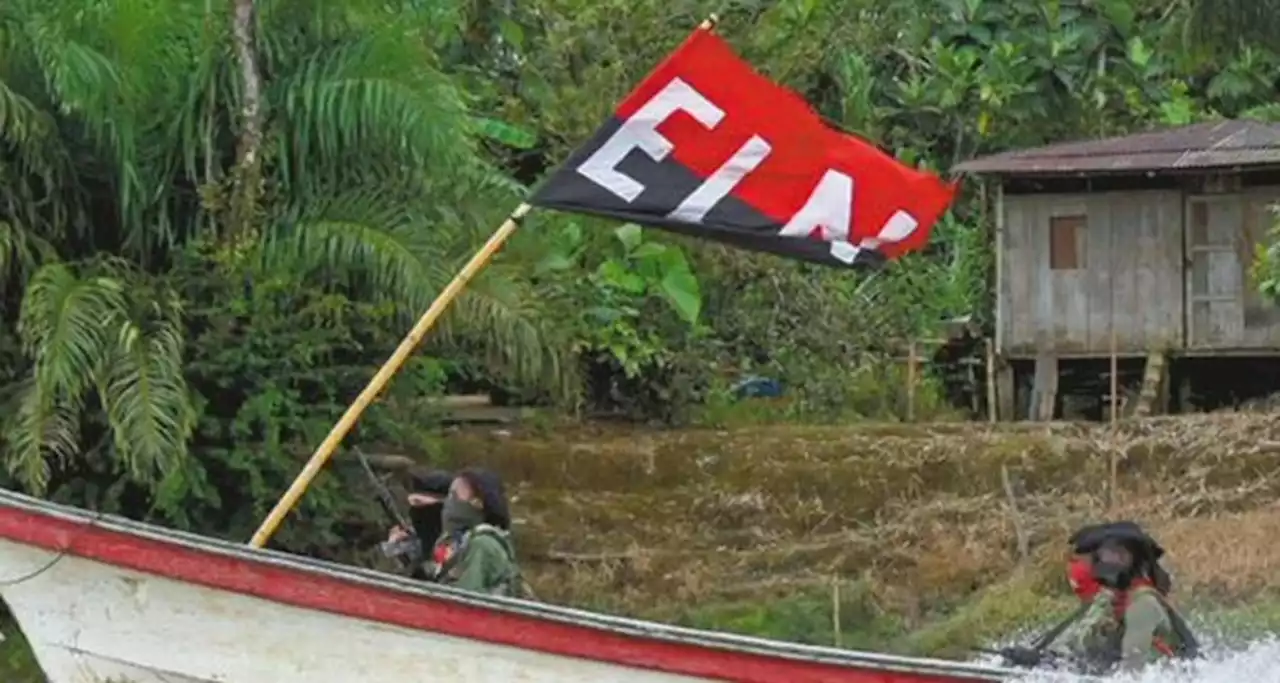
(1125, 620)
(1128, 622)
(475, 552)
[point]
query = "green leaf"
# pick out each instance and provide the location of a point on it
(1269, 113)
(649, 250)
(616, 274)
(1228, 84)
(604, 314)
(1139, 53)
(630, 234)
(554, 262)
(1120, 13)
(571, 234)
(511, 32)
(681, 289)
(505, 133)
(1177, 112)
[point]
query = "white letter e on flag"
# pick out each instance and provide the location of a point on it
(640, 131)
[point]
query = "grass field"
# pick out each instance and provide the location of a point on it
(930, 539)
(939, 536)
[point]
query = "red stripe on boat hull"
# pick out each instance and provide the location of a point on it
(312, 590)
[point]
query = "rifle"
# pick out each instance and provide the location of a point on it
(1038, 652)
(1021, 656)
(1052, 634)
(407, 550)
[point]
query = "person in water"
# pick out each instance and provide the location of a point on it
(1086, 540)
(474, 551)
(1126, 621)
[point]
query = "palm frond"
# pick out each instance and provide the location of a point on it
(85, 332)
(21, 252)
(383, 249)
(115, 75)
(65, 326)
(31, 133)
(374, 99)
(503, 317)
(117, 121)
(365, 239)
(39, 428)
(36, 163)
(145, 393)
(82, 80)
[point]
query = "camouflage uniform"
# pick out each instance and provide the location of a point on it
(484, 562)
(1100, 641)
(475, 552)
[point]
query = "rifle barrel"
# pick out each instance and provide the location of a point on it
(384, 495)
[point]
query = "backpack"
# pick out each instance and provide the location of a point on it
(514, 585)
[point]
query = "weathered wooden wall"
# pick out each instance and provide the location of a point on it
(1166, 269)
(1224, 309)
(1130, 276)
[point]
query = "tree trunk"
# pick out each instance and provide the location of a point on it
(247, 176)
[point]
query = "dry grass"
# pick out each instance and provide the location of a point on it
(648, 522)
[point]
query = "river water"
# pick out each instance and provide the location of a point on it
(1256, 662)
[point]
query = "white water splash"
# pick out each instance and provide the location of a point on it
(1256, 662)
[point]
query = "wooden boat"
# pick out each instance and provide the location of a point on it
(102, 598)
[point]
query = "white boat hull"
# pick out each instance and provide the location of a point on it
(89, 622)
(105, 599)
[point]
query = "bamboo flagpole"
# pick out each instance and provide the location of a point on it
(388, 370)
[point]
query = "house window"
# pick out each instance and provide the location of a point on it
(1066, 242)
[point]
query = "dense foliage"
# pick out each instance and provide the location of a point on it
(218, 217)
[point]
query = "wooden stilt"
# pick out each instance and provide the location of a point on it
(992, 408)
(1045, 388)
(1153, 381)
(1006, 391)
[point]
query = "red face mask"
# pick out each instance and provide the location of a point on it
(1080, 574)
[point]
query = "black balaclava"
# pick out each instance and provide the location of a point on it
(1087, 539)
(1146, 552)
(427, 525)
(488, 488)
(1114, 575)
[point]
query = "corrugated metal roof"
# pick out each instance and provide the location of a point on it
(1215, 144)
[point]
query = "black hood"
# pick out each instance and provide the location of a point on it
(488, 485)
(1146, 551)
(430, 481)
(426, 521)
(1089, 538)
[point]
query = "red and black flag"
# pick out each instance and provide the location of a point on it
(707, 147)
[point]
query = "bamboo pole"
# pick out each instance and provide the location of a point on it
(1111, 313)
(388, 370)
(380, 380)
(1115, 381)
(836, 634)
(1113, 465)
(1019, 530)
(1113, 470)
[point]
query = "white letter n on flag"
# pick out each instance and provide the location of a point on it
(829, 210)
